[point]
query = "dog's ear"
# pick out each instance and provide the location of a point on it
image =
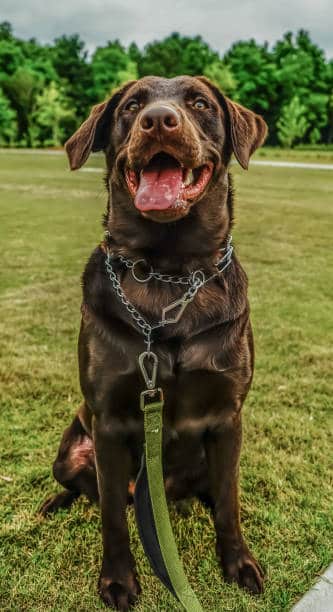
(94, 133)
(247, 130)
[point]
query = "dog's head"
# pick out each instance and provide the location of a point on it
(167, 142)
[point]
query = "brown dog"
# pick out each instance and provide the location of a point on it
(168, 144)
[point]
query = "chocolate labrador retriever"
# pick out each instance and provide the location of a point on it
(168, 145)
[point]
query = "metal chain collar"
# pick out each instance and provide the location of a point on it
(195, 280)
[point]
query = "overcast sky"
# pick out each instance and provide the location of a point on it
(220, 22)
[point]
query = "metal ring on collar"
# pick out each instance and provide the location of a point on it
(198, 277)
(137, 278)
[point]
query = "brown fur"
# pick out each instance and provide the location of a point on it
(205, 360)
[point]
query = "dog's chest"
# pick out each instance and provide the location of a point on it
(195, 374)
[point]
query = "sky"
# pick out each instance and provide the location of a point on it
(219, 22)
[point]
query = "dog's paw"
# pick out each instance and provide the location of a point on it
(54, 503)
(241, 567)
(121, 596)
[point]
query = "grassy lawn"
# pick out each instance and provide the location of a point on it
(322, 155)
(49, 223)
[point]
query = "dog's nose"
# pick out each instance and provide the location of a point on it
(159, 117)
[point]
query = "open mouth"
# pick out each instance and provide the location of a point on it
(164, 184)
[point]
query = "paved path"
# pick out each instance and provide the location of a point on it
(272, 163)
(32, 151)
(320, 597)
(290, 164)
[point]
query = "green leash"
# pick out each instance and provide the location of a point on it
(149, 499)
(151, 403)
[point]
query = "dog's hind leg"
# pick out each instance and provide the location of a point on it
(74, 468)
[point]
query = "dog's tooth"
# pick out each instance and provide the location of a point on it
(189, 178)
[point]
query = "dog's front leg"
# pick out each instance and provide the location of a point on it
(223, 451)
(118, 585)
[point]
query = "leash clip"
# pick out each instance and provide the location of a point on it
(148, 362)
(150, 399)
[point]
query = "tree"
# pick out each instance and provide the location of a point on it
(6, 30)
(25, 67)
(69, 58)
(38, 58)
(300, 64)
(134, 53)
(51, 117)
(221, 75)
(8, 124)
(22, 88)
(290, 84)
(252, 66)
(301, 69)
(11, 57)
(14, 53)
(197, 56)
(330, 118)
(111, 66)
(314, 136)
(176, 55)
(292, 124)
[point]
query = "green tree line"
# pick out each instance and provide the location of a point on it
(47, 90)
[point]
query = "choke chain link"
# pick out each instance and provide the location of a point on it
(195, 280)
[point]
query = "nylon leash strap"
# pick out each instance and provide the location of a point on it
(151, 507)
(149, 498)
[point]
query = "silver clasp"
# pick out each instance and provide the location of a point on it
(148, 362)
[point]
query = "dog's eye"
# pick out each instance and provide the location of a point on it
(132, 106)
(200, 104)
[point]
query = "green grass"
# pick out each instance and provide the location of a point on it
(321, 155)
(49, 223)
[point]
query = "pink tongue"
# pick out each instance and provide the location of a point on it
(159, 186)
